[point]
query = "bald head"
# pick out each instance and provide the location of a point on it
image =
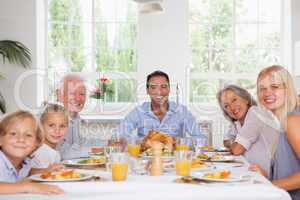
(72, 93)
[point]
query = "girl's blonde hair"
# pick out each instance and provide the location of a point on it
(54, 108)
(291, 100)
(19, 116)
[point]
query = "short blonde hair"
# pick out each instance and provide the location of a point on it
(19, 116)
(54, 108)
(291, 100)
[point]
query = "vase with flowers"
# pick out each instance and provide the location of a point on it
(99, 91)
(101, 88)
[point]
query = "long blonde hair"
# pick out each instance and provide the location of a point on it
(291, 101)
(19, 116)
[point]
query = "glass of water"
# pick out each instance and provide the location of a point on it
(198, 144)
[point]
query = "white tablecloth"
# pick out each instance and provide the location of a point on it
(163, 188)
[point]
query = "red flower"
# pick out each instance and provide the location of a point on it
(104, 80)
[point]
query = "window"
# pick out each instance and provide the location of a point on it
(96, 38)
(230, 41)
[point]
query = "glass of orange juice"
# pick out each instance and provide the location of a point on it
(183, 162)
(133, 146)
(182, 144)
(119, 166)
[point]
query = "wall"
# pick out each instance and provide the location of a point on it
(163, 44)
(18, 22)
(295, 20)
(296, 40)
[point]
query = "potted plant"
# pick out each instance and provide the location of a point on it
(14, 52)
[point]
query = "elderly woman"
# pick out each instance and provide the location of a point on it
(252, 132)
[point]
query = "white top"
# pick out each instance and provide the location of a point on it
(44, 156)
(257, 135)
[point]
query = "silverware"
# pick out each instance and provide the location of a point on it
(191, 179)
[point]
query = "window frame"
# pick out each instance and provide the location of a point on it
(91, 71)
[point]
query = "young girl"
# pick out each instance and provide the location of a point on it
(54, 120)
(250, 133)
(20, 135)
(276, 92)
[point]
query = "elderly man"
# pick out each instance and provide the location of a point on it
(72, 93)
(160, 114)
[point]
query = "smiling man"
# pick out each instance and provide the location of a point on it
(72, 93)
(160, 114)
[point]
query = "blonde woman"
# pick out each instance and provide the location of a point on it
(250, 134)
(276, 92)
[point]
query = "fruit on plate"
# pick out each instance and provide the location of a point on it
(218, 175)
(203, 156)
(65, 174)
(196, 163)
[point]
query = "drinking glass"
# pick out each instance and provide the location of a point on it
(182, 144)
(198, 144)
(183, 162)
(119, 166)
(133, 146)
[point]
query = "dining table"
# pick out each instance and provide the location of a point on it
(142, 186)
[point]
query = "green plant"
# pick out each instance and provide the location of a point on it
(14, 52)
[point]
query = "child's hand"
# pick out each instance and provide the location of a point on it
(257, 168)
(39, 188)
(56, 167)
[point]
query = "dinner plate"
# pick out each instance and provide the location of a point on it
(218, 149)
(163, 157)
(232, 178)
(171, 167)
(79, 162)
(222, 149)
(96, 155)
(223, 159)
(205, 168)
(83, 176)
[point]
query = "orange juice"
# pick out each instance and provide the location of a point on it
(119, 171)
(134, 149)
(183, 167)
(182, 147)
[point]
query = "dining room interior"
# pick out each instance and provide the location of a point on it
(182, 38)
(203, 46)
